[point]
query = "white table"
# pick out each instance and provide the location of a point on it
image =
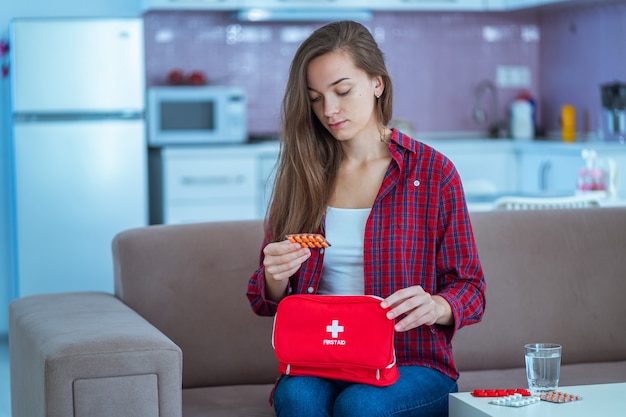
(606, 400)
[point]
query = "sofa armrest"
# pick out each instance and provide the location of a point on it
(87, 354)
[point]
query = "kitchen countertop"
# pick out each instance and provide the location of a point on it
(470, 142)
(523, 144)
(486, 202)
(218, 150)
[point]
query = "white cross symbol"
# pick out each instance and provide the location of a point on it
(334, 329)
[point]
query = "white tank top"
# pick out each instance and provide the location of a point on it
(342, 273)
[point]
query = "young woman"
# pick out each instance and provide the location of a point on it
(393, 210)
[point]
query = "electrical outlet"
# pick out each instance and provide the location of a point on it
(513, 76)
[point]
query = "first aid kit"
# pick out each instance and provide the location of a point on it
(338, 337)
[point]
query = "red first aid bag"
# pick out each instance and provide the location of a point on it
(338, 337)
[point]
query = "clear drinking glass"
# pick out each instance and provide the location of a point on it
(543, 367)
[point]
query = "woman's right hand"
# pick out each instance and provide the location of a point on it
(282, 260)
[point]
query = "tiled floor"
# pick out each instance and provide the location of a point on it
(5, 390)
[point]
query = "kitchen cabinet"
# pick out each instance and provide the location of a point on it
(246, 4)
(487, 172)
(380, 5)
(526, 167)
(267, 168)
(190, 4)
(211, 183)
(234, 182)
(201, 186)
(305, 4)
(438, 5)
(518, 4)
(553, 167)
(324, 5)
(485, 166)
(549, 173)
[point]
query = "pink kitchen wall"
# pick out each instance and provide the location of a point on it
(582, 47)
(436, 59)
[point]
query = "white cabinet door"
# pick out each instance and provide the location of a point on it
(209, 178)
(191, 4)
(549, 172)
(306, 4)
(200, 187)
(517, 4)
(267, 167)
(486, 167)
(452, 5)
(488, 173)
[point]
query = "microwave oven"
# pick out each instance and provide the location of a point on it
(196, 115)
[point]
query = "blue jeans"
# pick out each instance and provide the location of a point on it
(419, 391)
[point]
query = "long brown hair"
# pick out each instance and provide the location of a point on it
(309, 155)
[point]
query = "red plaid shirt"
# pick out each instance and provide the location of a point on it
(418, 233)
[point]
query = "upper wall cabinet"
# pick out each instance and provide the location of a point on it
(329, 5)
(517, 4)
(265, 4)
(191, 4)
(380, 5)
(306, 4)
(425, 5)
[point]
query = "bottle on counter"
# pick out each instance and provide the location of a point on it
(591, 178)
(522, 120)
(568, 123)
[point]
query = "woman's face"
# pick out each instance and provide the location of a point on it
(343, 96)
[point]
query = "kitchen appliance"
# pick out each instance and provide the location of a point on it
(79, 152)
(613, 125)
(184, 115)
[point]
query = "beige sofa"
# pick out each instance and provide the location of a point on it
(178, 337)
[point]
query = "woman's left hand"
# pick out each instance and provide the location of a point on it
(418, 308)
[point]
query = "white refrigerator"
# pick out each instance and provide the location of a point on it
(79, 151)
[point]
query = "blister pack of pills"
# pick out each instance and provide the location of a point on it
(500, 392)
(560, 397)
(309, 240)
(515, 400)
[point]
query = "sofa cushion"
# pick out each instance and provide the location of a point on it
(228, 401)
(190, 282)
(551, 276)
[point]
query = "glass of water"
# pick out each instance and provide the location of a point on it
(543, 367)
